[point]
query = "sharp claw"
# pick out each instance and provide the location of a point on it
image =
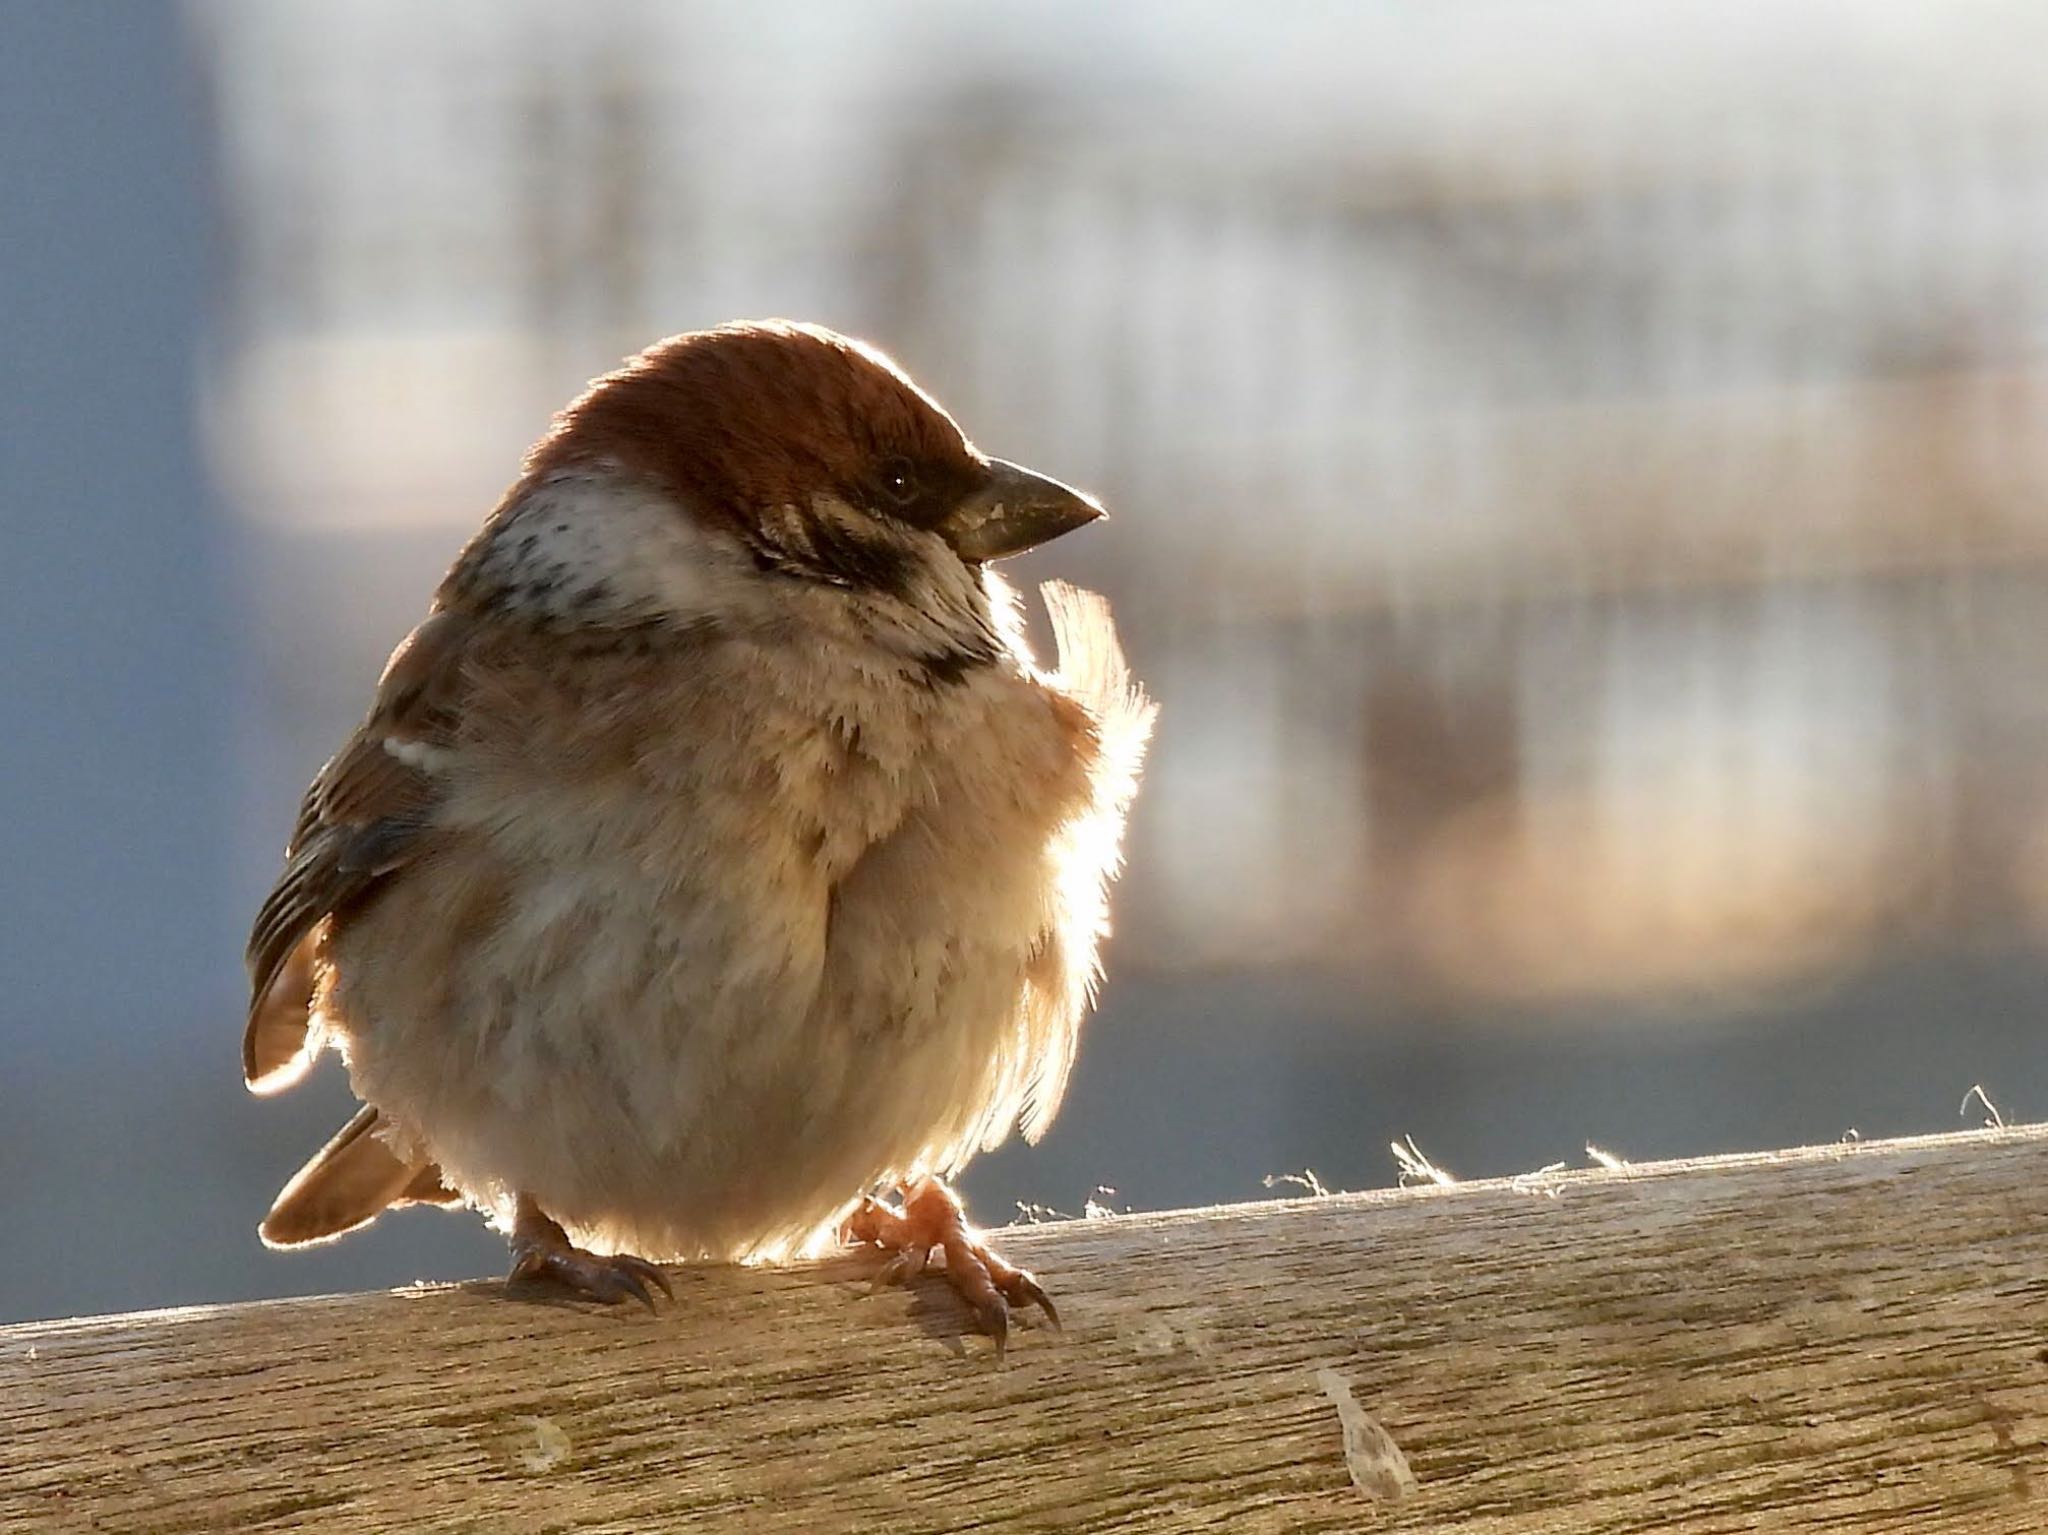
(1034, 1293)
(995, 1321)
(641, 1269)
(863, 1226)
(606, 1280)
(930, 1220)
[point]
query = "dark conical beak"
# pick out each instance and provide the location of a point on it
(1016, 510)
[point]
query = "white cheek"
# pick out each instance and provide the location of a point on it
(587, 547)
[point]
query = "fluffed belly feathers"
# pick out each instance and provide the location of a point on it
(691, 1027)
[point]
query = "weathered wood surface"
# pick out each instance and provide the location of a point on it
(1849, 1338)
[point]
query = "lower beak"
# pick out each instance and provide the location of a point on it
(1016, 510)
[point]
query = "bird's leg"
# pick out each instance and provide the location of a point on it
(541, 1250)
(931, 1216)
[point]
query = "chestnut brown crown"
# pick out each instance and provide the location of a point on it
(751, 417)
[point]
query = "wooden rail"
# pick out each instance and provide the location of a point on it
(1848, 1338)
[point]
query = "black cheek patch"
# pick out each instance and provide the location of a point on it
(844, 558)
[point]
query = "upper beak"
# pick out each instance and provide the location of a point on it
(1016, 510)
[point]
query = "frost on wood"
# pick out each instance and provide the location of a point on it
(1182, 1334)
(550, 1445)
(1415, 1167)
(1995, 1120)
(1378, 1468)
(1306, 1180)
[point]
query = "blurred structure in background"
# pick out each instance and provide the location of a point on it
(1581, 491)
(1590, 530)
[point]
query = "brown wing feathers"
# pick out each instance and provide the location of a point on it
(277, 1044)
(361, 820)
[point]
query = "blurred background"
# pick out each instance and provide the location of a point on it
(1581, 490)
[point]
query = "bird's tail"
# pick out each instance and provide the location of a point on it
(349, 1182)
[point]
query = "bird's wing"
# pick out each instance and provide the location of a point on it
(365, 815)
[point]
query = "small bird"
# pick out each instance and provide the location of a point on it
(714, 857)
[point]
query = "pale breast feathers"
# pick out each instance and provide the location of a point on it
(1085, 854)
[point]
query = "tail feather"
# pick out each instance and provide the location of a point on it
(349, 1182)
(427, 1188)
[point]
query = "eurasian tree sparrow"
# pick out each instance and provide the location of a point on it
(714, 853)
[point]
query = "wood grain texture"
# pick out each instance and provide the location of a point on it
(1848, 1338)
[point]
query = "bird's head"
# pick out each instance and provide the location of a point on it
(732, 474)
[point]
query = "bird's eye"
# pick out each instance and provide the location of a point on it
(899, 481)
